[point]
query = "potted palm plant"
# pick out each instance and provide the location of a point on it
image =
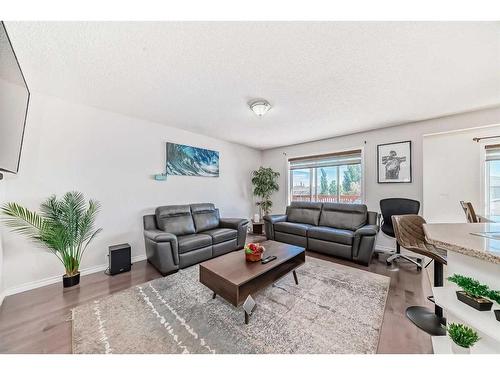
(264, 182)
(64, 226)
(463, 338)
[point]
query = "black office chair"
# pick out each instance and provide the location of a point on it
(398, 206)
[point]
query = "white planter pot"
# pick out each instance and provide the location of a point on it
(457, 349)
(256, 218)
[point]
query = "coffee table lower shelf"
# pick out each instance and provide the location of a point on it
(249, 305)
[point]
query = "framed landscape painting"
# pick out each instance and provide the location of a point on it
(183, 160)
(394, 162)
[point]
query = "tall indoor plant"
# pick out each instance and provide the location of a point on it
(265, 184)
(64, 226)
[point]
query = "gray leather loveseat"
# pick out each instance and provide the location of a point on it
(343, 230)
(180, 236)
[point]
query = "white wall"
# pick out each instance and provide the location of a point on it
(111, 158)
(2, 189)
(374, 192)
(452, 172)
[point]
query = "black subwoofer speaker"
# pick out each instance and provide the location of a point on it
(119, 258)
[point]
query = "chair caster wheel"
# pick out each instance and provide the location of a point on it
(388, 263)
(419, 269)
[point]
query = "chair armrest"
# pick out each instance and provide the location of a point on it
(160, 236)
(232, 223)
(367, 230)
(275, 218)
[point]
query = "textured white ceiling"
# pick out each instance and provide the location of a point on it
(323, 79)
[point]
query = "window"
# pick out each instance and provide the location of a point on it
(327, 178)
(492, 177)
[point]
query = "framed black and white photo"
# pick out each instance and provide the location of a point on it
(394, 162)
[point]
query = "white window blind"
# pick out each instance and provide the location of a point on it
(328, 160)
(492, 152)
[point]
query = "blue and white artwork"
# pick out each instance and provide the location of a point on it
(185, 160)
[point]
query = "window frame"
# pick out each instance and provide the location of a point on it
(484, 186)
(313, 180)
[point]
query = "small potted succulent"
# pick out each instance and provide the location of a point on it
(463, 338)
(253, 252)
(474, 293)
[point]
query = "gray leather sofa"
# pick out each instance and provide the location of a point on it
(343, 230)
(180, 236)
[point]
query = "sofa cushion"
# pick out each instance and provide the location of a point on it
(304, 212)
(195, 256)
(342, 236)
(331, 248)
(291, 239)
(224, 247)
(292, 228)
(221, 234)
(205, 216)
(193, 241)
(343, 215)
(175, 219)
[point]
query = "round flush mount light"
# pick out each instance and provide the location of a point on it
(260, 107)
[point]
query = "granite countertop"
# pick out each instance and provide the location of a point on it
(481, 240)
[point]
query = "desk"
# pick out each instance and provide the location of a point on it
(471, 252)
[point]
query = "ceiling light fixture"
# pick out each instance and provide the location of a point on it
(260, 107)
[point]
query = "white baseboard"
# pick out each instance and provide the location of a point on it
(57, 279)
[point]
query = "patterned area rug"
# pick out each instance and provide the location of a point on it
(334, 309)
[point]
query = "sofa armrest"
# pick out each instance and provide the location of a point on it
(162, 250)
(364, 244)
(240, 225)
(160, 236)
(275, 218)
(269, 221)
(232, 223)
(367, 230)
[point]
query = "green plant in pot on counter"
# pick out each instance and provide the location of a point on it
(474, 293)
(265, 184)
(64, 226)
(463, 337)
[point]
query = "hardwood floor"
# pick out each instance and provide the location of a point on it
(38, 321)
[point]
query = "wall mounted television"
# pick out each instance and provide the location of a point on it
(14, 100)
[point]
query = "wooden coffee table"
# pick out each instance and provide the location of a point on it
(233, 278)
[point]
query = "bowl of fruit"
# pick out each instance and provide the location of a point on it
(253, 252)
